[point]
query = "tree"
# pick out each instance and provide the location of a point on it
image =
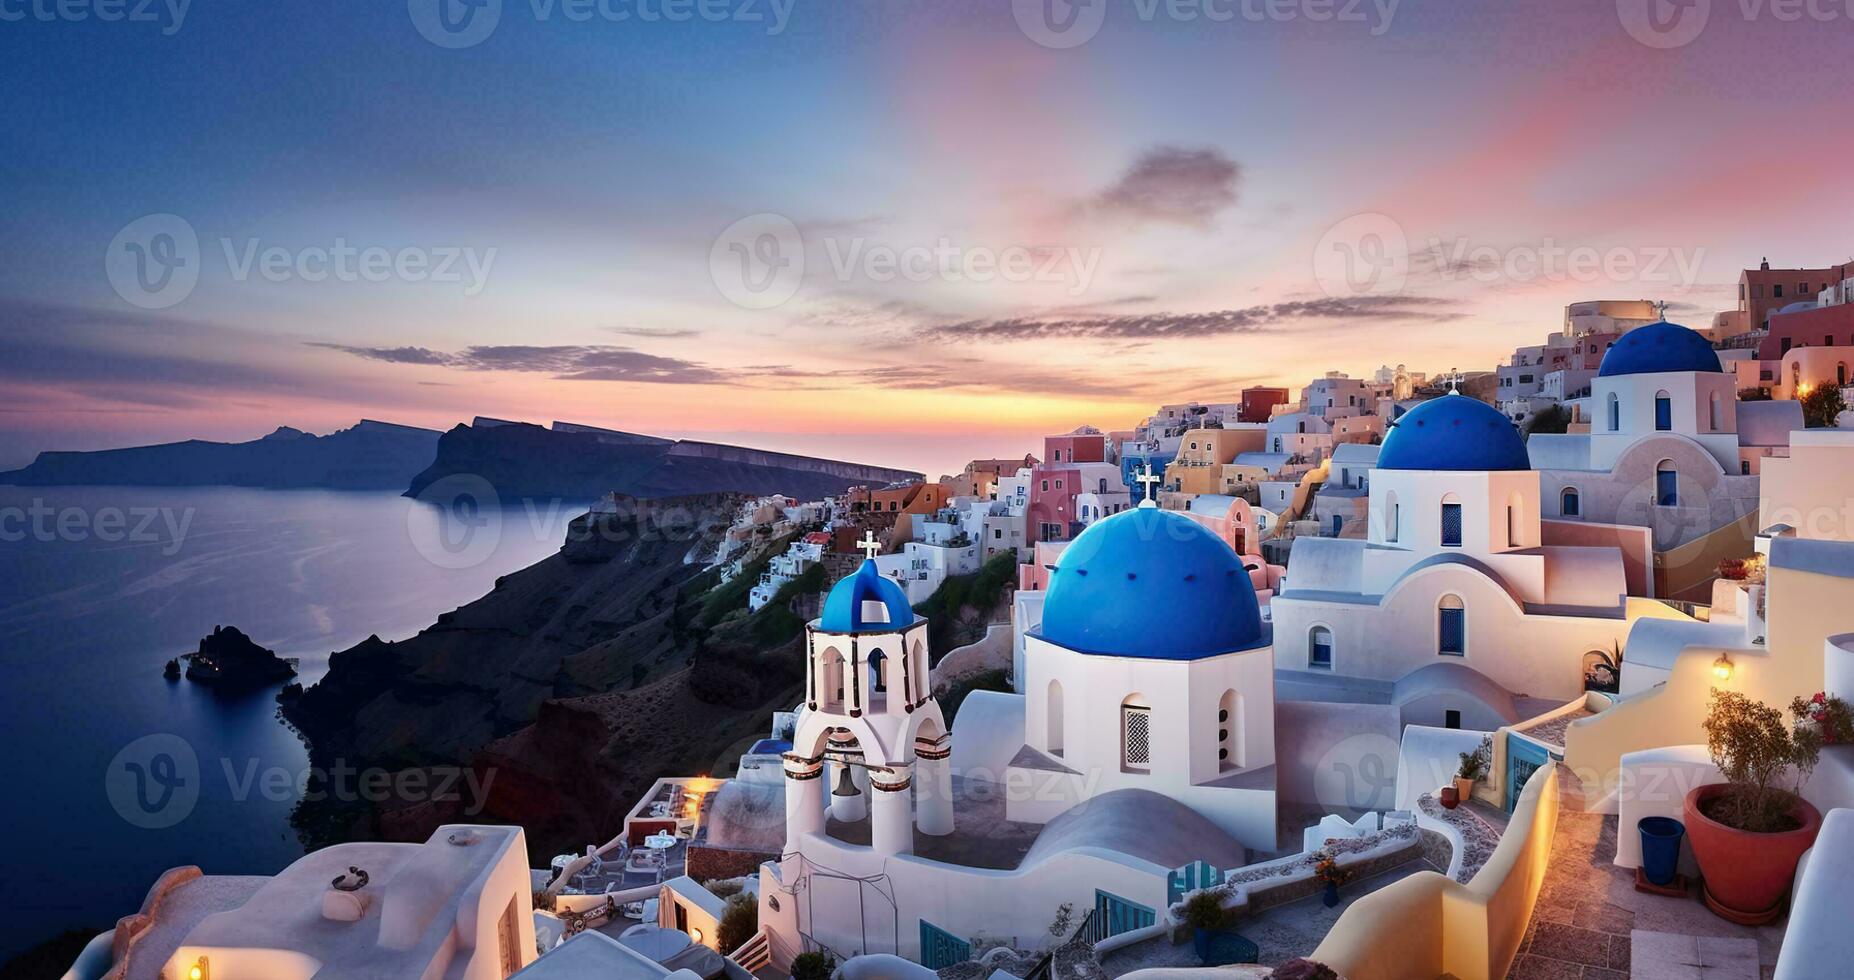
(1822, 405)
(1552, 419)
(740, 920)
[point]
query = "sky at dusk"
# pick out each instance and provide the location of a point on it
(906, 232)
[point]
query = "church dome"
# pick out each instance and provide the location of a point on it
(1657, 348)
(1453, 432)
(1150, 583)
(865, 602)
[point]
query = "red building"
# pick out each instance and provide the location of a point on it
(1052, 502)
(1828, 326)
(1258, 403)
(1076, 447)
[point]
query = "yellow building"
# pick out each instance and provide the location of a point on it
(1202, 453)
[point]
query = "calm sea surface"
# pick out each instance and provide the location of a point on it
(112, 774)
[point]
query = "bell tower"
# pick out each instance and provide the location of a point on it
(869, 721)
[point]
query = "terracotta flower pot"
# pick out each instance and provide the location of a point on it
(1747, 874)
(1464, 789)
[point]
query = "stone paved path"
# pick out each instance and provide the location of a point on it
(1589, 910)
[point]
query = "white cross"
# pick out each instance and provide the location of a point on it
(871, 547)
(1454, 380)
(1149, 479)
(1661, 307)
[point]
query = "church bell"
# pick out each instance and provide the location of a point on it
(844, 786)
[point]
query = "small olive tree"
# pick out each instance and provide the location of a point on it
(740, 919)
(1752, 744)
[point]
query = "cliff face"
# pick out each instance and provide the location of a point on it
(567, 689)
(578, 463)
(369, 456)
(599, 614)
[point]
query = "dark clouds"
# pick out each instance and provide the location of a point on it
(1186, 326)
(1171, 185)
(594, 362)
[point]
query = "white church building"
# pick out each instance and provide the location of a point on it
(1454, 570)
(1150, 698)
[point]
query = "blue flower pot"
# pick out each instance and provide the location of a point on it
(1201, 940)
(1660, 848)
(1331, 898)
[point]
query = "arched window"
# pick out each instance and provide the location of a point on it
(1717, 413)
(1569, 503)
(1451, 627)
(1229, 732)
(1663, 412)
(878, 684)
(1841, 374)
(1451, 522)
(1053, 713)
(1666, 489)
(830, 679)
(1392, 518)
(1135, 734)
(1320, 648)
(1615, 413)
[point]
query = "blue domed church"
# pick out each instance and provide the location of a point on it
(1454, 603)
(1667, 446)
(1152, 669)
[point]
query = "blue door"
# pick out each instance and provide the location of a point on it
(941, 949)
(1190, 878)
(1114, 915)
(1338, 522)
(1523, 758)
(1451, 525)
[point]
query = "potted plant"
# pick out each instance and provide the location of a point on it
(1203, 912)
(1301, 968)
(1748, 832)
(1473, 767)
(1326, 868)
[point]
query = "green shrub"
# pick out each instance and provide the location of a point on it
(813, 966)
(740, 919)
(991, 680)
(1203, 910)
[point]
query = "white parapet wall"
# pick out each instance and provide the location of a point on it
(1818, 942)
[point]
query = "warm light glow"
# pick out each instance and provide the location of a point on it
(1722, 668)
(198, 972)
(695, 934)
(1803, 390)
